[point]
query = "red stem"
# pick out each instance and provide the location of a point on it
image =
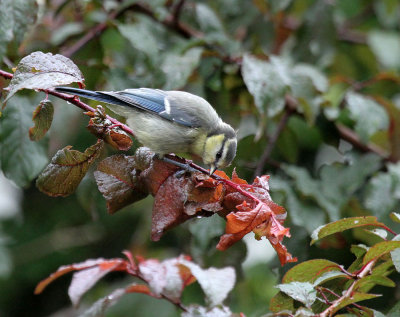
(6, 75)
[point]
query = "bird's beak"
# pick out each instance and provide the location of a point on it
(213, 168)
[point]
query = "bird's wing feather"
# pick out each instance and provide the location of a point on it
(146, 99)
(155, 101)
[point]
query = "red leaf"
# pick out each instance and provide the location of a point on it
(263, 217)
(168, 208)
(74, 267)
(84, 280)
(236, 179)
(139, 288)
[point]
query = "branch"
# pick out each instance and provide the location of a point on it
(92, 33)
(291, 105)
(364, 272)
(351, 137)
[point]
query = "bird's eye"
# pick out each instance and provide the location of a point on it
(219, 154)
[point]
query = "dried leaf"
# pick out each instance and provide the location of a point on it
(104, 129)
(66, 170)
(42, 117)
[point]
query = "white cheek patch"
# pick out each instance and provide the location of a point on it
(167, 106)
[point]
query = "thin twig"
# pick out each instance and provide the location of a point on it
(290, 108)
(92, 33)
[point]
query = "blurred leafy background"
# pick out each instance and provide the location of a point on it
(312, 87)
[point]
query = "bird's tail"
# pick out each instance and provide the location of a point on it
(94, 95)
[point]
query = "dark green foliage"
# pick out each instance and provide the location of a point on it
(312, 86)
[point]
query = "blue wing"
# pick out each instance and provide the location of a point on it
(151, 100)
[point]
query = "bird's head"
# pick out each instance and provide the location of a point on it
(220, 147)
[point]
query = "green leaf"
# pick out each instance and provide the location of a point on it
(42, 117)
(42, 71)
(374, 280)
(117, 181)
(66, 170)
(395, 255)
(301, 291)
(342, 225)
(386, 47)
(379, 195)
(16, 16)
(267, 81)
(141, 36)
(329, 276)
(281, 302)
(309, 271)
(178, 68)
(21, 159)
(302, 213)
(370, 117)
(208, 20)
(395, 217)
(380, 249)
(395, 311)
(356, 297)
(307, 85)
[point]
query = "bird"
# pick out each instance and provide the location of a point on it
(171, 122)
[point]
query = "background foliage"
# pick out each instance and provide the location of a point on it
(312, 86)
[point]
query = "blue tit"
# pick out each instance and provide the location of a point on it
(171, 122)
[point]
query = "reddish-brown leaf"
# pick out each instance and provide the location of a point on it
(84, 280)
(156, 174)
(117, 181)
(119, 139)
(168, 208)
(263, 217)
(236, 179)
(139, 288)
